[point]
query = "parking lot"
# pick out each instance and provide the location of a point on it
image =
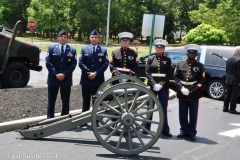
(218, 138)
(218, 135)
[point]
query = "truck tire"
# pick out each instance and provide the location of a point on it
(16, 75)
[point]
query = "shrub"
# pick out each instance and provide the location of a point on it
(206, 34)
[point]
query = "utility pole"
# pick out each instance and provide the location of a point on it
(108, 20)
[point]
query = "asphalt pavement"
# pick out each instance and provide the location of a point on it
(218, 138)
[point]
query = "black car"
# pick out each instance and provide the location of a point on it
(214, 60)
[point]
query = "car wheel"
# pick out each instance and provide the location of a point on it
(16, 75)
(215, 89)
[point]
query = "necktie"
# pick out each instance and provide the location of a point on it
(94, 50)
(62, 50)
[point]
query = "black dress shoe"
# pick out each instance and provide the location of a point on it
(83, 125)
(144, 132)
(192, 138)
(233, 112)
(180, 135)
(167, 134)
(225, 110)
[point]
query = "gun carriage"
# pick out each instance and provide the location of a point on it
(130, 104)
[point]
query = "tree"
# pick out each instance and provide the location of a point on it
(225, 16)
(12, 11)
(51, 16)
(206, 34)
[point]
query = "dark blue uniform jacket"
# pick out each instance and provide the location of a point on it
(58, 63)
(89, 62)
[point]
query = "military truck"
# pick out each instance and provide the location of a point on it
(17, 58)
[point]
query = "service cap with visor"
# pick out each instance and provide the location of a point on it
(192, 48)
(160, 43)
(125, 35)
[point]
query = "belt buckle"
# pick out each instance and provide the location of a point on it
(158, 74)
(188, 83)
(124, 69)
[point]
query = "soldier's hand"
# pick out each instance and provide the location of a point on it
(60, 77)
(114, 72)
(157, 87)
(132, 73)
(91, 75)
(185, 91)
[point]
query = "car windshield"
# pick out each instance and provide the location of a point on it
(176, 56)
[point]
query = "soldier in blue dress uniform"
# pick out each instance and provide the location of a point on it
(61, 60)
(189, 78)
(158, 71)
(93, 62)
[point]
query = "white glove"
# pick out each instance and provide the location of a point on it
(185, 91)
(157, 87)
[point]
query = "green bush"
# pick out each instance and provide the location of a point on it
(206, 34)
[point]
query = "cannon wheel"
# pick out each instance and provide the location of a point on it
(129, 119)
(116, 78)
(108, 84)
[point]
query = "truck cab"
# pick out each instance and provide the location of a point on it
(17, 58)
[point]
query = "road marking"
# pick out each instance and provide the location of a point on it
(232, 133)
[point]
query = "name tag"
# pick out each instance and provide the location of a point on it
(54, 54)
(85, 54)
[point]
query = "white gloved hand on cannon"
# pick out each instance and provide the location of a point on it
(185, 91)
(157, 87)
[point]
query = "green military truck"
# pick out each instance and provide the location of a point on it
(17, 58)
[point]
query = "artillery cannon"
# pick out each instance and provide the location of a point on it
(130, 104)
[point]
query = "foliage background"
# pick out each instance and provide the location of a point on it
(79, 17)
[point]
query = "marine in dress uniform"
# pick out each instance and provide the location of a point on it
(93, 62)
(232, 82)
(189, 77)
(61, 60)
(124, 60)
(158, 71)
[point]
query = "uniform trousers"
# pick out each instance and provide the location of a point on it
(163, 96)
(188, 127)
(231, 95)
(52, 96)
(87, 93)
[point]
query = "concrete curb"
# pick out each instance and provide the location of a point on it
(18, 124)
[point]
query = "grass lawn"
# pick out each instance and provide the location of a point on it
(142, 49)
